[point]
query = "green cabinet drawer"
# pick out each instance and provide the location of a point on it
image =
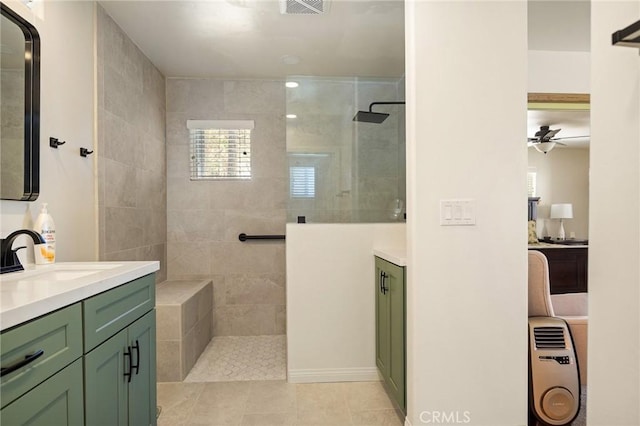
(56, 402)
(58, 335)
(107, 313)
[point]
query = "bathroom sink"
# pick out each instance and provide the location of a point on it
(60, 275)
(60, 272)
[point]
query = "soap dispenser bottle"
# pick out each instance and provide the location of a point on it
(45, 253)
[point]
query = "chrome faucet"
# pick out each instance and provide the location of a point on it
(9, 261)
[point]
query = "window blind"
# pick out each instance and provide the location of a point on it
(302, 181)
(220, 149)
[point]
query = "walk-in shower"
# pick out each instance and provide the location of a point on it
(341, 169)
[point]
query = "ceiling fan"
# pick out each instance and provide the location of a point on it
(545, 140)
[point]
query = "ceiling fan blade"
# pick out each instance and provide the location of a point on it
(550, 134)
(572, 137)
(559, 143)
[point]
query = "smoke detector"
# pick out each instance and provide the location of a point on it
(303, 7)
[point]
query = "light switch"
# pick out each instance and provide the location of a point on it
(457, 212)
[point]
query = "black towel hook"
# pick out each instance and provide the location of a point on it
(84, 152)
(55, 143)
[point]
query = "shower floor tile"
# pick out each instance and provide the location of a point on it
(241, 358)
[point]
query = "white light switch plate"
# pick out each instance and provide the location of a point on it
(458, 212)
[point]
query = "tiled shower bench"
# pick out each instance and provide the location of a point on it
(184, 326)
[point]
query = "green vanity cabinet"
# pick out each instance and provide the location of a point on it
(390, 328)
(120, 365)
(91, 363)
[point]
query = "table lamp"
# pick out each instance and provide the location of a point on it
(561, 211)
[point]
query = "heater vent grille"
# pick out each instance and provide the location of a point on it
(302, 7)
(549, 337)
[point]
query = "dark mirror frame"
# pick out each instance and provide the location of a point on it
(32, 106)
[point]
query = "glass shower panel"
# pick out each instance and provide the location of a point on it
(342, 171)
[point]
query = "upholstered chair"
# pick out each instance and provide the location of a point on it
(571, 307)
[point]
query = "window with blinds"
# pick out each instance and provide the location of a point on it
(302, 181)
(531, 183)
(220, 149)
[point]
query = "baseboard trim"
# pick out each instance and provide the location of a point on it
(333, 375)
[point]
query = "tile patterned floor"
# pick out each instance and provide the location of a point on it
(241, 358)
(275, 403)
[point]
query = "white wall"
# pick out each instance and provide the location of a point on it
(562, 177)
(466, 294)
(331, 299)
(614, 246)
(559, 72)
(66, 112)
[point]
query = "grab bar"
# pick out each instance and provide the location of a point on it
(244, 237)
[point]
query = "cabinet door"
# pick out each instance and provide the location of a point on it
(397, 298)
(55, 402)
(106, 389)
(390, 327)
(382, 321)
(142, 388)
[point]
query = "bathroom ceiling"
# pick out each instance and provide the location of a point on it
(252, 39)
(561, 25)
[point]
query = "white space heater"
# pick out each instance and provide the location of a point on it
(554, 379)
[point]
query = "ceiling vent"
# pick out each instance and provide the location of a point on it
(303, 7)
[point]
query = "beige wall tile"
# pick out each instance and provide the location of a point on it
(131, 151)
(244, 320)
(248, 278)
(168, 322)
(281, 319)
(118, 189)
(168, 361)
(255, 289)
(196, 225)
(189, 260)
(203, 330)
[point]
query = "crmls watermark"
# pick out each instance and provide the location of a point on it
(436, 417)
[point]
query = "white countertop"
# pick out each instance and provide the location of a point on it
(395, 255)
(41, 289)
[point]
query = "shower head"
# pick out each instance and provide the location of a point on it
(370, 117)
(374, 117)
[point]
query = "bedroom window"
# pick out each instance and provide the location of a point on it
(220, 149)
(531, 183)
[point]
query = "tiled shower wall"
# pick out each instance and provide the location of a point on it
(205, 217)
(131, 150)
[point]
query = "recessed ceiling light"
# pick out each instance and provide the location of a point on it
(292, 84)
(292, 116)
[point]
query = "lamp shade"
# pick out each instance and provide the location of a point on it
(561, 211)
(544, 147)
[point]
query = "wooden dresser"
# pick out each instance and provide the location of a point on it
(567, 267)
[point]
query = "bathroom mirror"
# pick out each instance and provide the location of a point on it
(20, 108)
